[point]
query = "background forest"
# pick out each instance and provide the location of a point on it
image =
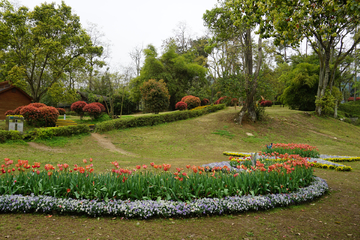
(250, 53)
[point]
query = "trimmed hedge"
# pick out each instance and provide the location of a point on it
(10, 135)
(151, 120)
(46, 133)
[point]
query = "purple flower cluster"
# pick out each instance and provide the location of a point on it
(161, 208)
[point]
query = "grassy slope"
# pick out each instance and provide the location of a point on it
(335, 216)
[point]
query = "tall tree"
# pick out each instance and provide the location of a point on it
(136, 55)
(95, 57)
(326, 24)
(179, 72)
(239, 18)
(38, 45)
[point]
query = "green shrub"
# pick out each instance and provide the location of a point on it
(350, 109)
(327, 103)
(10, 135)
(156, 95)
(151, 120)
(46, 133)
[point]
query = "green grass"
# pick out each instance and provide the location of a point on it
(334, 216)
(61, 141)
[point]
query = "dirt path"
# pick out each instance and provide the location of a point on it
(45, 148)
(105, 143)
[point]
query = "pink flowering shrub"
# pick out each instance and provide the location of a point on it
(191, 101)
(101, 106)
(184, 98)
(352, 99)
(93, 109)
(234, 102)
(266, 103)
(9, 112)
(78, 108)
(223, 100)
(18, 110)
(40, 116)
(61, 111)
(181, 106)
(37, 105)
(205, 102)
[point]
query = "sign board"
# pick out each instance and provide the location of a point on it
(15, 123)
(12, 126)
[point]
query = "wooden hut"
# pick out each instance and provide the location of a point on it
(12, 97)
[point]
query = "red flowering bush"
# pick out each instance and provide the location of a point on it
(266, 103)
(234, 101)
(352, 99)
(181, 106)
(30, 113)
(184, 98)
(37, 105)
(49, 116)
(191, 101)
(101, 106)
(93, 109)
(205, 101)
(18, 110)
(40, 117)
(61, 111)
(78, 108)
(224, 100)
(9, 112)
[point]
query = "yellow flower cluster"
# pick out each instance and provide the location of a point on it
(198, 108)
(236, 154)
(329, 166)
(350, 159)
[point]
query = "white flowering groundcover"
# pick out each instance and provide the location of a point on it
(161, 208)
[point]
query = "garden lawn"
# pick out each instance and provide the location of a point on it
(334, 216)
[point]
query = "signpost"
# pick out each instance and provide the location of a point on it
(15, 123)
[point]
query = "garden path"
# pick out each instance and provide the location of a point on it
(106, 143)
(45, 148)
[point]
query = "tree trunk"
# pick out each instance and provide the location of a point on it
(250, 78)
(324, 77)
(122, 101)
(335, 110)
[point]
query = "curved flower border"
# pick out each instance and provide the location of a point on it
(161, 208)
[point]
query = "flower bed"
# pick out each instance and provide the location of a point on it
(160, 208)
(303, 150)
(238, 161)
(343, 159)
(158, 182)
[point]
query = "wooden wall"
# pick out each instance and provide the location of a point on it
(10, 100)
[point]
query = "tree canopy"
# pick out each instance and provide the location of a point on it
(179, 72)
(328, 25)
(37, 46)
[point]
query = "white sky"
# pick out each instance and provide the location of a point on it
(129, 24)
